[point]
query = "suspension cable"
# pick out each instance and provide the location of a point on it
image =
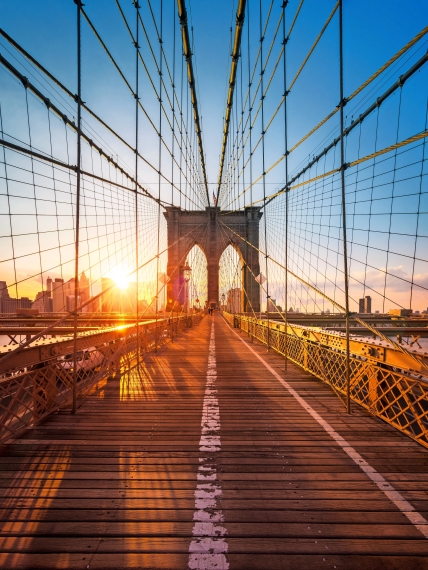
(182, 15)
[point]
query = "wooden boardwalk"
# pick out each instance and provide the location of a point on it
(133, 481)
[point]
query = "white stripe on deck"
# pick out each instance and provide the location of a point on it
(207, 551)
(394, 496)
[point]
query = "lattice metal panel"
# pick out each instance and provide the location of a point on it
(391, 394)
(30, 394)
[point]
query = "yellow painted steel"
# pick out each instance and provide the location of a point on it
(187, 51)
(240, 16)
(39, 379)
(416, 358)
(383, 381)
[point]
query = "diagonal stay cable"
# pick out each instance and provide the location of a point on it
(385, 150)
(305, 61)
(336, 304)
(67, 166)
(233, 159)
(398, 84)
(157, 94)
(240, 17)
(187, 53)
(13, 70)
(97, 35)
(69, 314)
(192, 162)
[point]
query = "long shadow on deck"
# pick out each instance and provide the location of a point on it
(118, 477)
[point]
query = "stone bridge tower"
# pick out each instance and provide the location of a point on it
(204, 228)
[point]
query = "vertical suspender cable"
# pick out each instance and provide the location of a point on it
(181, 123)
(160, 168)
(76, 252)
(187, 52)
(284, 59)
(137, 48)
(240, 15)
(264, 174)
(342, 176)
(252, 253)
(174, 96)
(424, 147)
(244, 272)
(173, 107)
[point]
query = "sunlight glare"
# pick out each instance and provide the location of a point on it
(120, 277)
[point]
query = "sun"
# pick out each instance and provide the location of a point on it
(120, 277)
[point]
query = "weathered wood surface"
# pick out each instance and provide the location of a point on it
(114, 485)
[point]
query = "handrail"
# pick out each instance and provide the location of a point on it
(380, 381)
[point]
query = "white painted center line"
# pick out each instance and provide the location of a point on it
(207, 551)
(394, 496)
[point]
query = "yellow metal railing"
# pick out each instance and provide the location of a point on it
(380, 380)
(39, 380)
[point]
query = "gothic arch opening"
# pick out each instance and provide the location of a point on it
(196, 295)
(230, 280)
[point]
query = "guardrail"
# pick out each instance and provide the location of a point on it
(38, 380)
(380, 381)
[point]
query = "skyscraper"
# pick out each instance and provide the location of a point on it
(365, 305)
(84, 288)
(58, 296)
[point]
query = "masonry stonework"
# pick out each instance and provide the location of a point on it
(206, 229)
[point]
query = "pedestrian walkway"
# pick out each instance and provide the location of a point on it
(212, 456)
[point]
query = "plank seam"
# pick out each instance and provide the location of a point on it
(417, 520)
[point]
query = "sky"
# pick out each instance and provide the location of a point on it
(373, 32)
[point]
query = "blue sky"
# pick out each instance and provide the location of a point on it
(373, 32)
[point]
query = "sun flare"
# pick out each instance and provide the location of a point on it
(120, 277)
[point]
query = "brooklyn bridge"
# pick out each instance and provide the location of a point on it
(214, 284)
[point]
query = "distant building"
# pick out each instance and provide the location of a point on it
(69, 303)
(400, 312)
(234, 300)
(93, 307)
(272, 306)
(58, 296)
(63, 293)
(84, 288)
(43, 300)
(10, 305)
(4, 295)
(107, 299)
(365, 305)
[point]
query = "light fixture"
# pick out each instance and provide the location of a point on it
(187, 272)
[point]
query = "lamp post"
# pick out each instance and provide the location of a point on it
(187, 273)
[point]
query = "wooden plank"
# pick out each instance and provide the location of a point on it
(114, 485)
